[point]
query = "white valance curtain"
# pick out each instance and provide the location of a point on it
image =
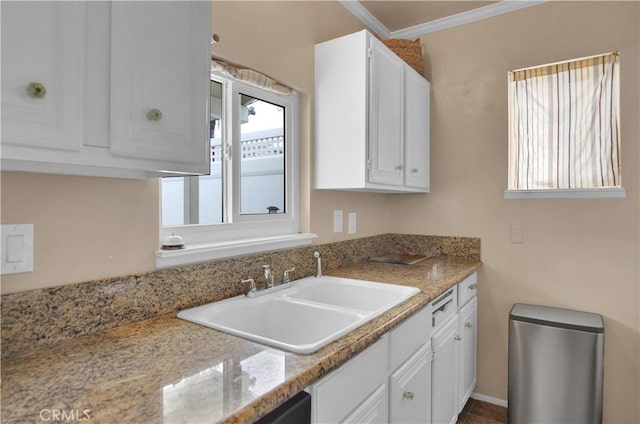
(564, 125)
(250, 76)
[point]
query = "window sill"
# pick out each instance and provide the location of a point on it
(209, 251)
(582, 193)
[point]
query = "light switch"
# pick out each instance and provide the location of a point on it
(352, 222)
(337, 220)
(17, 248)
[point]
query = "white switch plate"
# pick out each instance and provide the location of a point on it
(353, 225)
(337, 220)
(17, 248)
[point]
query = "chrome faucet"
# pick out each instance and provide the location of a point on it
(285, 276)
(252, 287)
(268, 276)
(316, 255)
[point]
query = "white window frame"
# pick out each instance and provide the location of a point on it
(243, 234)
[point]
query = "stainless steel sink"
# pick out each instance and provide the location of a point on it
(310, 314)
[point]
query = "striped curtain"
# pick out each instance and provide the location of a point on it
(564, 125)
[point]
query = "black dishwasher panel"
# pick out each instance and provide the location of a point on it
(296, 410)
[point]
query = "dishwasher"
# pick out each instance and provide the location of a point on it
(556, 365)
(296, 410)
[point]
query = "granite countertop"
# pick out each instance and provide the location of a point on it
(169, 370)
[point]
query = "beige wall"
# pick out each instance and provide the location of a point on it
(579, 254)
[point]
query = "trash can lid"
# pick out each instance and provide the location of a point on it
(557, 317)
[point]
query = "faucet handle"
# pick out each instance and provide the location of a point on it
(285, 275)
(252, 287)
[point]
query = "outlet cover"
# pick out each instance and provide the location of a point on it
(17, 248)
(353, 225)
(337, 220)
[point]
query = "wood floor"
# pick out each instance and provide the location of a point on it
(478, 412)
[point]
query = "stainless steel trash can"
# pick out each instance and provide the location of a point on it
(556, 359)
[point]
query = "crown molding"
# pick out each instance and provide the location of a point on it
(473, 15)
(360, 12)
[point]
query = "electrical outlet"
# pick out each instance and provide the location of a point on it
(337, 220)
(352, 222)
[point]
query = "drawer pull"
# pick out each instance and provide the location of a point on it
(154, 115)
(408, 395)
(36, 90)
(468, 325)
(473, 286)
(457, 338)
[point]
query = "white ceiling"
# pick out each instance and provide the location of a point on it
(408, 19)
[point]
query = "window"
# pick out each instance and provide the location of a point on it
(249, 200)
(564, 128)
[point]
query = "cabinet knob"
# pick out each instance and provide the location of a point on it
(36, 90)
(457, 338)
(399, 168)
(473, 286)
(408, 395)
(414, 170)
(468, 325)
(154, 115)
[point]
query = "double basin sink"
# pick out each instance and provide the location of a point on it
(303, 317)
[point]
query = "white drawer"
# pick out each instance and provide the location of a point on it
(467, 289)
(335, 396)
(410, 336)
(444, 307)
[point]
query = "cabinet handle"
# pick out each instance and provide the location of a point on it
(408, 395)
(473, 286)
(154, 115)
(399, 168)
(457, 338)
(468, 325)
(36, 90)
(414, 170)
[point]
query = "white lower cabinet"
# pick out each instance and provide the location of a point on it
(444, 372)
(467, 329)
(410, 375)
(454, 343)
(374, 409)
(410, 389)
(338, 396)
(389, 382)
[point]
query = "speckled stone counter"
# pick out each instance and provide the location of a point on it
(168, 370)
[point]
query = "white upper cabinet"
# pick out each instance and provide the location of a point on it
(371, 118)
(386, 127)
(158, 95)
(42, 74)
(417, 131)
(126, 85)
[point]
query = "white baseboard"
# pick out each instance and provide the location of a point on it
(489, 399)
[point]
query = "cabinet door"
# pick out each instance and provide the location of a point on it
(386, 125)
(338, 394)
(410, 386)
(160, 74)
(42, 74)
(444, 398)
(467, 322)
(417, 130)
(374, 410)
